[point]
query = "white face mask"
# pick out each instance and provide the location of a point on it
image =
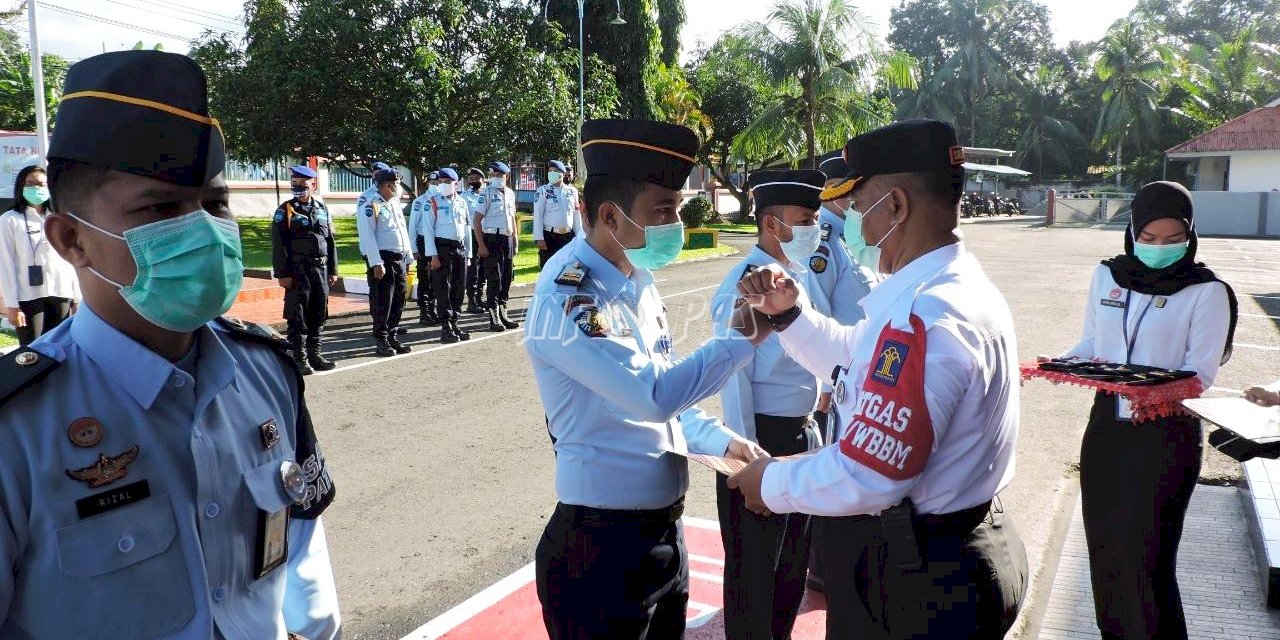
(804, 241)
(495, 182)
(446, 189)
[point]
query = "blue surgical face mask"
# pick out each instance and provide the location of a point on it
(662, 244)
(1159, 256)
(855, 240)
(190, 269)
(554, 177)
(804, 241)
(35, 196)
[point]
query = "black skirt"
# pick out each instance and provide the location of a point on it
(1136, 481)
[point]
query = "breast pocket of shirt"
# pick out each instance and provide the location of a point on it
(266, 545)
(125, 574)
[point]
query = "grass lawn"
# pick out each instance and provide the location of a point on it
(737, 228)
(255, 237)
(8, 338)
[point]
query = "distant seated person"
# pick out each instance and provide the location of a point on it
(1268, 396)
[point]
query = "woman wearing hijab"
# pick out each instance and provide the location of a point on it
(1152, 305)
(40, 289)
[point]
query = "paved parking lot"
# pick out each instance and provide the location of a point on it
(444, 468)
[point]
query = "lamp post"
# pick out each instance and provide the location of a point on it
(580, 168)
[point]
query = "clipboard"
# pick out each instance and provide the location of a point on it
(1245, 430)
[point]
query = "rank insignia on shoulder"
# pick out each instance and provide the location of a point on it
(1161, 301)
(572, 274)
(592, 322)
(106, 470)
(823, 250)
(826, 231)
(817, 264)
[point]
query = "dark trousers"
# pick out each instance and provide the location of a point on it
(1135, 484)
(386, 295)
(765, 556)
(43, 314)
(475, 275)
(555, 242)
(423, 290)
(306, 303)
(970, 585)
(612, 579)
(447, 281)
(498, 269)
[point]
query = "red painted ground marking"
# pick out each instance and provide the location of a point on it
(510, 610)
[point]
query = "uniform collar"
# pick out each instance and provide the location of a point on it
(827, 215)
(760, 257)
(142, 372)
(885, 294)
(609, 276)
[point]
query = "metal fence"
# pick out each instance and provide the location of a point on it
(353, 179)
(249, 172)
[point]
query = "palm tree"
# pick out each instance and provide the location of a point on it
(1047, 131)
(823, 58)
(977, 66)
(1228, 78)
(1131, 67)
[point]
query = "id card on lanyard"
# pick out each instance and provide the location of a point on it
(35, 271)
(1124, 409)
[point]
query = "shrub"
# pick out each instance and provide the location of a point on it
(696, 212)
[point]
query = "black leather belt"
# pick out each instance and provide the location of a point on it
(591, 516)
(953, 523)
(394, 256)
(448, 242)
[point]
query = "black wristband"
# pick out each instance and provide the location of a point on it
(783, 320)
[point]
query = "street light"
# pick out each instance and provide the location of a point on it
(582, 71)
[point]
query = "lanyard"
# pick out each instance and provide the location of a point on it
(1130, 343)
(27, 230)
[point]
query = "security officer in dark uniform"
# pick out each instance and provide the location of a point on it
(475, 266)
(305, 262)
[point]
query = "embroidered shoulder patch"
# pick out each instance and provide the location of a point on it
(572, 274)
(578, 300)
(279, 217)
(817, 264)
(592, 322)
(889, 362)
(826, 231)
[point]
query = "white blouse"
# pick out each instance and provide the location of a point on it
(22, 243)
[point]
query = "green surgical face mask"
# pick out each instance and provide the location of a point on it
(35, 195)
(1159, 256)
(190, 269)
(662, 244)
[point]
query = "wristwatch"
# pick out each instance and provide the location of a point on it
(783, 320)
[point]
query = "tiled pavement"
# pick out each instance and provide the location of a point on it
(1217, 571)
(262, 301)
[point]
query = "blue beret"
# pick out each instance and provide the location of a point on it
(434, 175)
(381, 166)
(448, 173)
(385, 175)
(302, 171)
(558, 166)
(500, 167)
(475, 170)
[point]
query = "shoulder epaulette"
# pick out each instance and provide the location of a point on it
(572, 275)
(21, 369)
(259, 334)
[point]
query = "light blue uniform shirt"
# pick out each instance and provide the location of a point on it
(497, 209)
(381, 227)
(447, 218)
(176, 564)
(555, 206)
(619, 404)
(841, 283)
(772, 384)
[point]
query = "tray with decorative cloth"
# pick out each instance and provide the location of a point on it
(1151, 391)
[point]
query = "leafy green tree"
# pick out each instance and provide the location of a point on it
(423, 82)
(1228, 78)
(651, 36)
(1132, 67)
(1206, 22)
(17, 89)
(734, 92)
(1047, 131)
(823, 60)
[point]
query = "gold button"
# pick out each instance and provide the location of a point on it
(27, 358)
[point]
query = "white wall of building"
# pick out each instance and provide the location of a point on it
(1212, 174)
(1255, 170)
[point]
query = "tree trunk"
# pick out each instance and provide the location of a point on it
(810, 128)
(1119, 164)
(721, 174)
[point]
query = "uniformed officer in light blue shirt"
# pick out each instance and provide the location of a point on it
(445, 228)
(159, 475)
(384, 243)
(475, 266)
(621, 406)
(494, 223)
(426, 298)
(769, 401)
(556, 215)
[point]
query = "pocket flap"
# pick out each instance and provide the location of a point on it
(267, 487)
(118, 539)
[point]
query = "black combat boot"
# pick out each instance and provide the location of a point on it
(383, 348)
(474, 308)
(300, 357)
(397, 346)
(428, 318)
(462, 334)
(494, 324)
(447, 335)
(506, 319)
(317, 359)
